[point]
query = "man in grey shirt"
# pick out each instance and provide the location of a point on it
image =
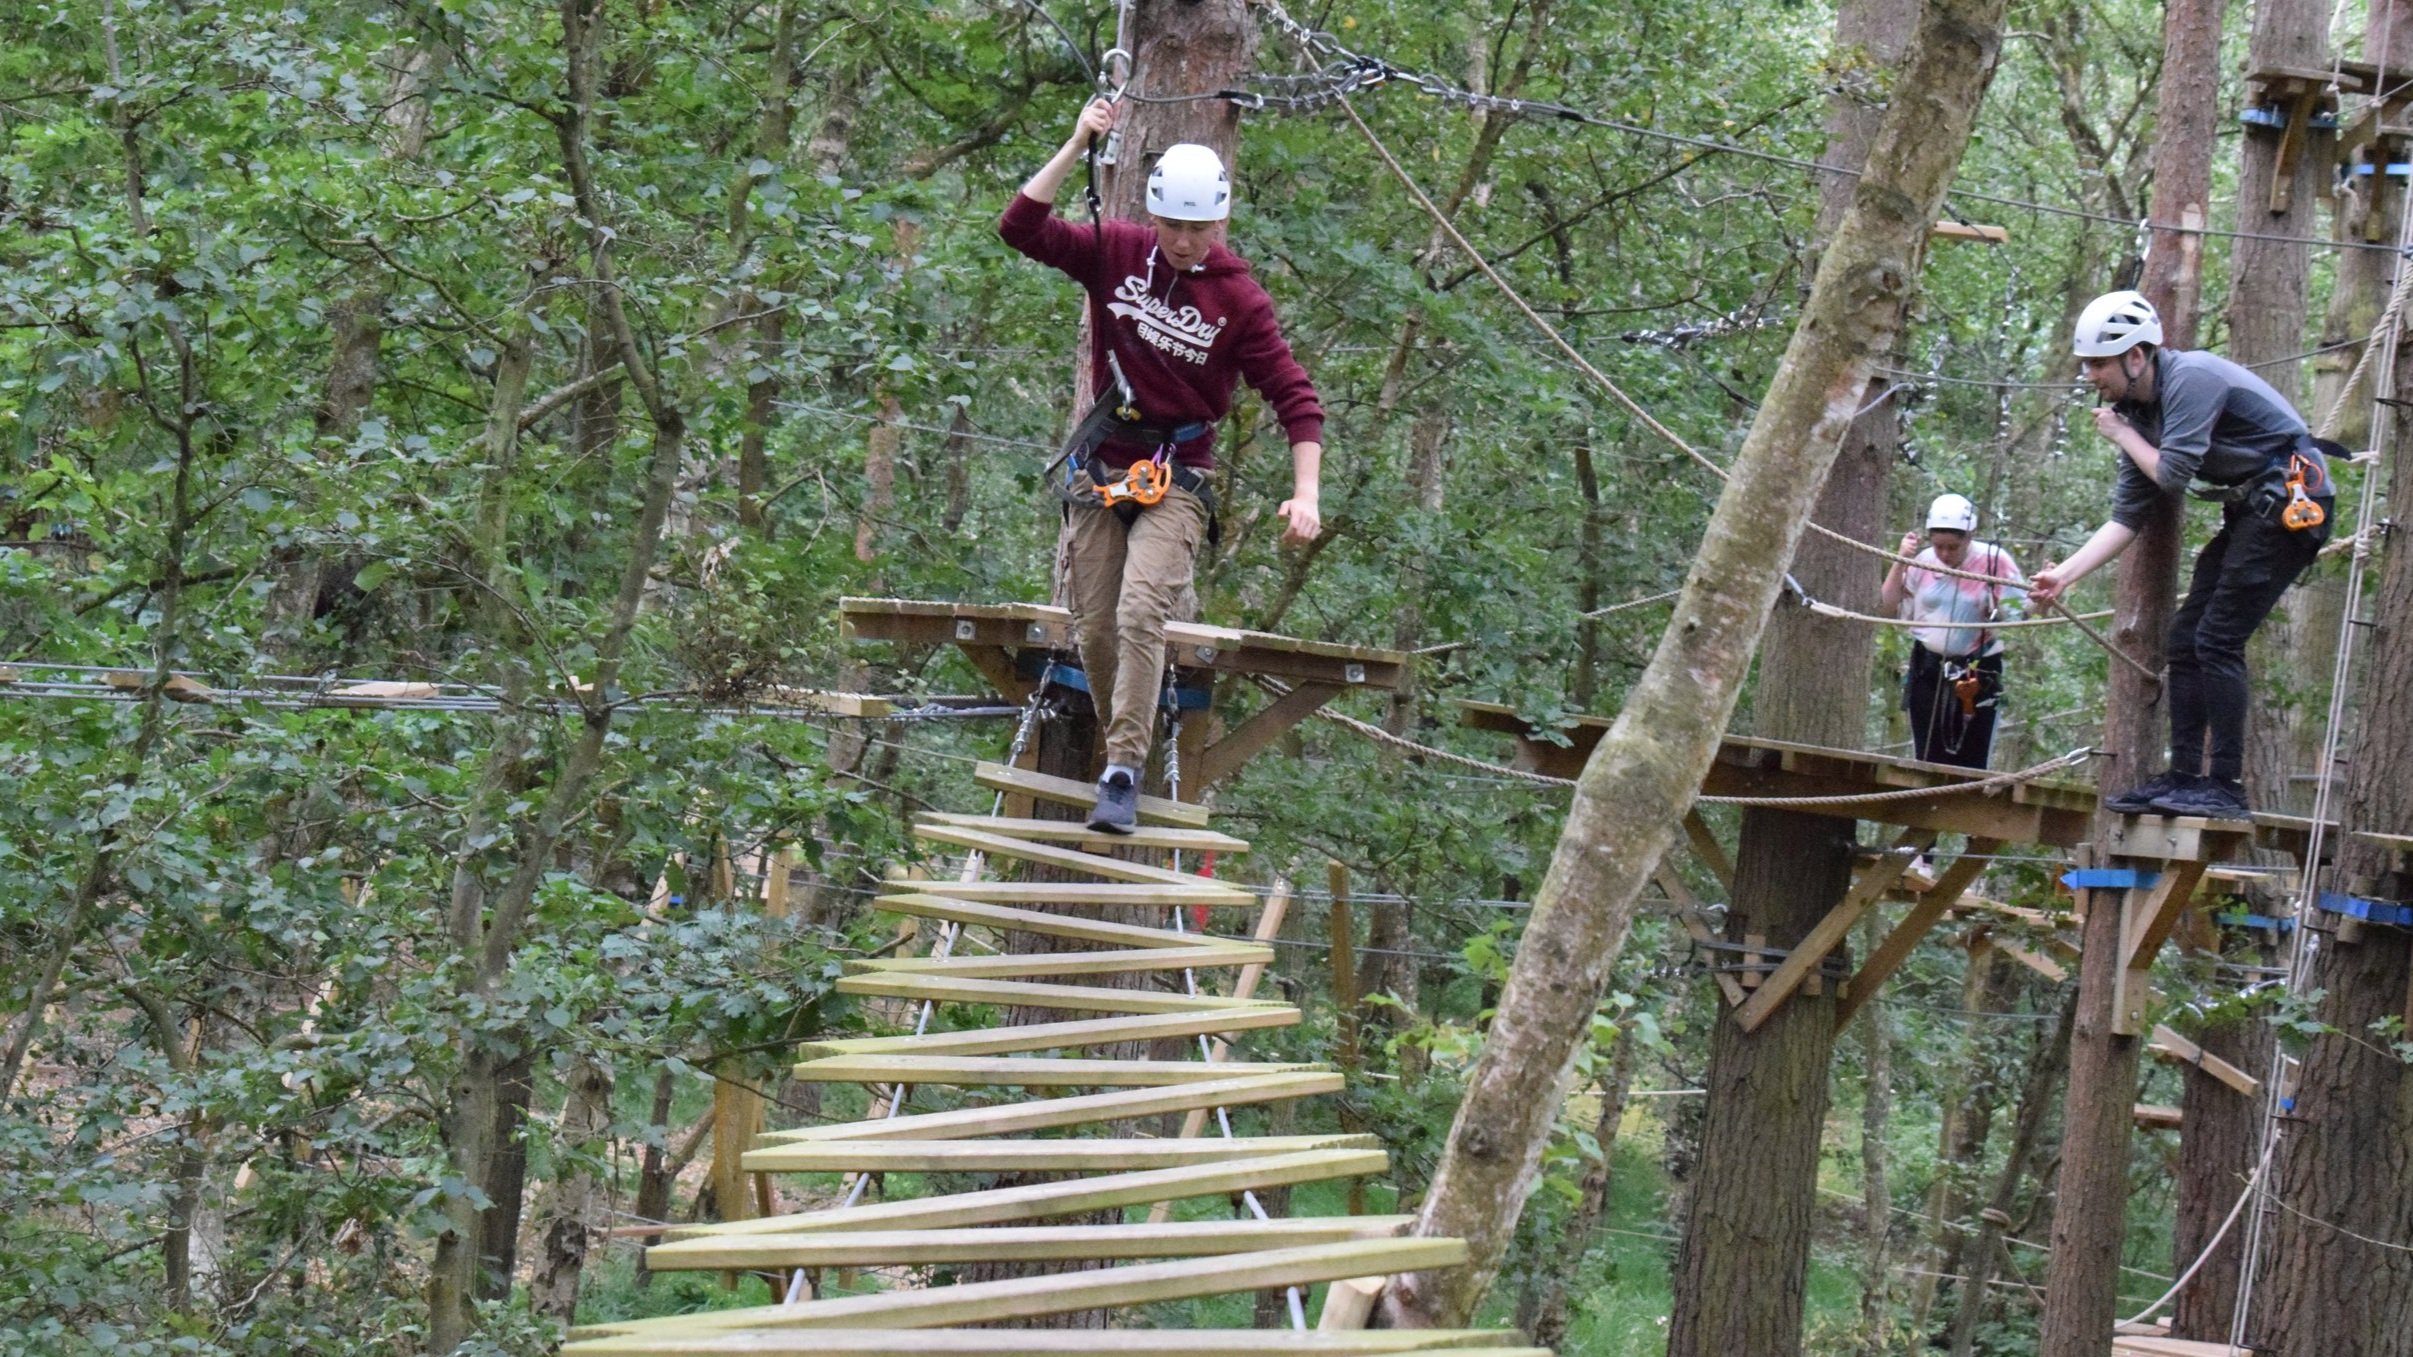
(2178, 417)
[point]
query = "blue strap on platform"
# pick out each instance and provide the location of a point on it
(2242, 920)
(2369, 911)
(1071, 676)
(2108, 878)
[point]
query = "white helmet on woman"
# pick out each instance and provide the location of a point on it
(1189, 183)
(2116, 322)
(1952, 513)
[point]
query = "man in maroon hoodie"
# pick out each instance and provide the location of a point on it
(1176, 322)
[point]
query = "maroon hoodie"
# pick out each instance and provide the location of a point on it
(1183, 339)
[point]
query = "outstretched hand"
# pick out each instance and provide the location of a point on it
(1302, 520)
(2045, 585)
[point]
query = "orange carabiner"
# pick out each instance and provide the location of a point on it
(2302, 510)
(1143, 483)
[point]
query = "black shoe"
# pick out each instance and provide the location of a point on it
(2139, 799)
(1117, 810)
(2209, 798)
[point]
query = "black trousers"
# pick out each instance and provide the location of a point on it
(1940, 729)
(2238, 578)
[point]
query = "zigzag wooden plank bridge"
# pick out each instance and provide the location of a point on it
(1079, 1141)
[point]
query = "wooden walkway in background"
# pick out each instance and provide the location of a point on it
(1041, 1098)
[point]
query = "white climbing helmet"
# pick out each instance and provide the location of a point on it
(1189, 183)
(1952, 513)
(2114, 323)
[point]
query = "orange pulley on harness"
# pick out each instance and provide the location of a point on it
(1143, 483)
(2302, 510)
(1967, 686)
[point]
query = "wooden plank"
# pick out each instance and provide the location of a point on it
(2170, 1045)
(1060, 1036)
(2144, 1346)
(1034, 1201)
(1898, 944)
(1957, 230)
(1226, 756)
(2146, 918)
(1688, 913)
(1040, 1243)
(1027, 1072)
(1085, 1155)
(1067, 859)
(1039, 1114)
(1828, 933)
(1202, 646)
(1007, 919)
(2156, 1117)
(1031, 964)
(1154, 810)
(2045, 966)
(1706, 847)
(1086, 1343)
(1204, 892)
(1078, 998)
(1062, 1293)
(1074, 831)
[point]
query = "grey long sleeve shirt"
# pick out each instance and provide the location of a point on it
(2213, 420)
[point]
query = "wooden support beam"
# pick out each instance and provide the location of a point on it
(1226, 756)
(2170, 1045)
(1063, 791)
(1092, 1154)
(1042, 1114)
(1064, 1292)
(1036, 1201)
(1898, 944)
(1059, 1036)
(1874, 879)
(2307, 99)
(1079, 998)
(1077, 833)
(1027, 1071)
(1041, 1243)
(2146, 917)
(1086, 1343)
(1031, 965)
(1349, 1303)
(1688, 913)
(1706, 847)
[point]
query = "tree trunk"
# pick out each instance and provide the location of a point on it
(2336, 1274)
(506, 1184)
(1876, 1192)
(1987, 987)
(1550, 1317)
(569, 1211)
(2091, 1210)
(1741, 1273)
(2046, 1067)
(1648, 768)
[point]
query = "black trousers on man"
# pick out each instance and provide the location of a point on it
(1942, 728)
(2238, 578)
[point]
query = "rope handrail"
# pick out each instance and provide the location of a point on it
(1617, 393)
(1405, 745)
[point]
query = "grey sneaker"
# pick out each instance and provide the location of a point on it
(1117, 810)
(2139, 799)
(2209, 798)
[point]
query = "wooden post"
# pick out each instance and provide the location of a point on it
(1344, 1002)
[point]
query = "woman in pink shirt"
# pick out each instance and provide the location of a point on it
(1955, 678)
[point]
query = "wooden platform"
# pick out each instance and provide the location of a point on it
(1078, 1137)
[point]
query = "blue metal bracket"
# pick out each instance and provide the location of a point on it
(2109, 878)
(2369, 911)
(2397, 169)
(2277, 117)
(1182, 699)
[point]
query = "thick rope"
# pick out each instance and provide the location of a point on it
(2382, 335)
(1615, 392)
(1425, 751)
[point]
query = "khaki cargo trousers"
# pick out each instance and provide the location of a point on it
(1123, 585)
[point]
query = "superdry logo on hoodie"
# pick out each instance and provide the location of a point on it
(1184, 333)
